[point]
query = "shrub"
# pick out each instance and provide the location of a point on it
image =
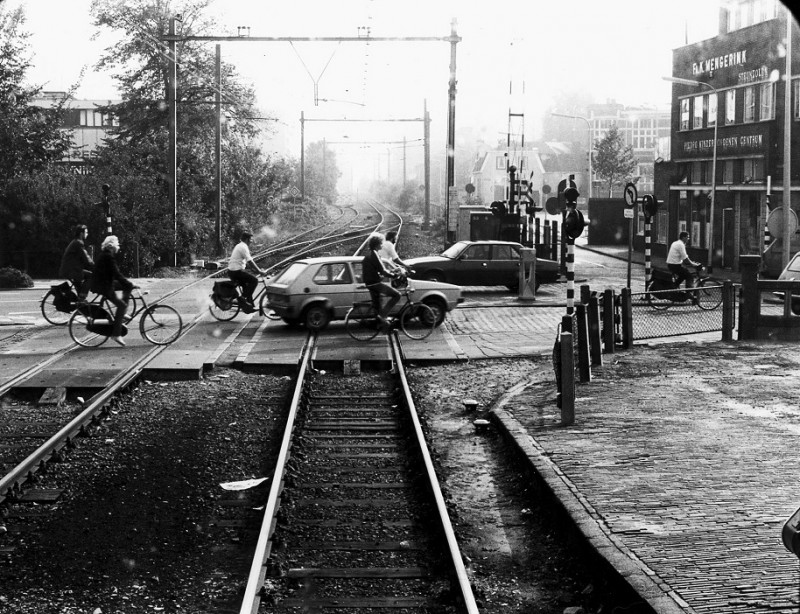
(14, 278)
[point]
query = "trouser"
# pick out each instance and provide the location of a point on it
(122, 307)
(681, 273)
(381, 288)
(247, 281)
(82, 283)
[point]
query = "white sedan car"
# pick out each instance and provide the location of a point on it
(314, 291)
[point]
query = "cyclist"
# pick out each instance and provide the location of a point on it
(374, 272)
(76, 264)
(237, 270)
(677, 258)
(388, 254)
(106, 272)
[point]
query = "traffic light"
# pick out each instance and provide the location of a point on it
(649, 205)
(498, 208)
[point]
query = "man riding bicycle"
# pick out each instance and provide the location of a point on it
(237, 270)
(677, 258)
(374, 272)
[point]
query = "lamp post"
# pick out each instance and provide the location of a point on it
(713, 161)
(589, 134)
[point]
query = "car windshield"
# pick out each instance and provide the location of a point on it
(454, 250)
(794, 265)
(290, 274)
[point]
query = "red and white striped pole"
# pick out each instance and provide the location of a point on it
(107, 206)
(767, 237)
(647, 260)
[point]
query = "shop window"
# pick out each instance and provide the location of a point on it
(685, 114)
(730, 107)
(752, 171)
(662, 223)
(767, 97)
(749, 104)
(698, 112)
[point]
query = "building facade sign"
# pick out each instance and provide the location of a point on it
(736, 59)
(748, 140)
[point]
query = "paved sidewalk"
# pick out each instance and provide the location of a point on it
(679, 469)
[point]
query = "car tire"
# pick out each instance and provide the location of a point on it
(316, 317)
(439, 309)
(434, 276)
(796, 308)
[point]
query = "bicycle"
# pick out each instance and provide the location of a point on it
(416, 320)
(91, 323)
(62, 299)
(664, 291)
(227, 300)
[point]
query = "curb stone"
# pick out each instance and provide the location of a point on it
(643, 580)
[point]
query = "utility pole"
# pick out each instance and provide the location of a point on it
(302, 157)
(218, 152)
(427, 219)
(451, 127)
(172, 163)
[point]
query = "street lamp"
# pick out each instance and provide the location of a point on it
(713, 161)
(589, 134)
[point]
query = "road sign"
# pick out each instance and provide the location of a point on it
(775, 222)
(628, 212)
(631, 195)
(294, 192)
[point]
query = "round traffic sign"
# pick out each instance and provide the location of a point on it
(631, 194)
(775, 222)
(551, 205)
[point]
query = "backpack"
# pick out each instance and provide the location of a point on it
(574, 225)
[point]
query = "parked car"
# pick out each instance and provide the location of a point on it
(314, 291)
(792, 273)
(481, 263)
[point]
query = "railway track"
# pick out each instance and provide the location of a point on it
(355, 518)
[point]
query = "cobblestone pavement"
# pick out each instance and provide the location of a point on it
(678, 469)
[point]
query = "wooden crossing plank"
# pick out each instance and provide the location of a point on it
(358, 572)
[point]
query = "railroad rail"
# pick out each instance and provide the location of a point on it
(349, 522)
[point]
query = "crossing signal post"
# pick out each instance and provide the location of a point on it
(106, 205)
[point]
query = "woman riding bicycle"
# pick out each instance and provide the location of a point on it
(374, 272)
(106, 272)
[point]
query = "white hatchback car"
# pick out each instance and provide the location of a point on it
(314, 291)
(792, 273)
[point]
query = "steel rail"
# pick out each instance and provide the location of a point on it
(20, 474)
(459, 570)
(255, 580)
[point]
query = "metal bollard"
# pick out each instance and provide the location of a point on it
(595, 342)
(728, 303)
(627, 319)
(609, 333)
(567, 380)
(584, 366)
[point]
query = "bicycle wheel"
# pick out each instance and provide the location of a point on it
(81, 334)
(658, 299)
(417, 320)
(160, 324)
(224, 315)
(269, 313)
(709, 298)
(361, 322)
(50, 313)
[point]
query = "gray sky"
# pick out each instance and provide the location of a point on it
(618, 49)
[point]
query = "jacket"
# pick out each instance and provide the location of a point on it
(75, 261)
(106, 272)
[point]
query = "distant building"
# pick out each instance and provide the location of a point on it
(738, 95)
(87, 125)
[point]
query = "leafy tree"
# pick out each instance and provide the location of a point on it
(321, 172)
(140, 64)
(30, 142)
(613, 160)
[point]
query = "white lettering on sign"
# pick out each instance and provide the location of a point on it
(749, 76)
(628, 212)
(737, 58)
(750, 141)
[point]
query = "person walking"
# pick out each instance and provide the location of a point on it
(237, 270)
(373, 271)
(76, 264)
(388, 254)
(677, 258)
(106, 272)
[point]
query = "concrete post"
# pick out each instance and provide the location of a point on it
(527, 274)
(749, 305)
(567, 380)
